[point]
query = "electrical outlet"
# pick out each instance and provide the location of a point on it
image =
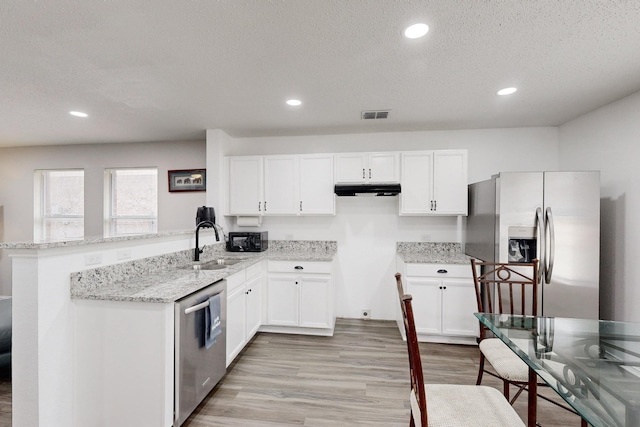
(365, 313)
(426, 237)
(92, 259)
(123, 254)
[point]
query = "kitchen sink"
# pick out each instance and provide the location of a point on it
(217, 264)
(209, 266)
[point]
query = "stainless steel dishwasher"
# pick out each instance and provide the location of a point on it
(197, 368)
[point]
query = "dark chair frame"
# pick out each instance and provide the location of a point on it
(494, 283)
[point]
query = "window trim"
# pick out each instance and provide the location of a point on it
(109, 217)
(39, 215)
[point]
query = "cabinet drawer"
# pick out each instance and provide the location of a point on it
(294, 267)
(235, 280)
(439, 270)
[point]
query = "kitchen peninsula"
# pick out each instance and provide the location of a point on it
(53, 315)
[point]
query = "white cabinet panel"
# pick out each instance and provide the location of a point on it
(315, 305)
(236, 321)
(282, 299)
(245, 185)
(367, 167)
(459, 304)
(434, 182)
(244, 308)
(450, 182)
(299, 294)
(317, 196)
(253, 292)
(427, 305)
(281, 185)
(383, 167)
(444, 301)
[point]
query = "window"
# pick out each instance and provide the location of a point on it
(59, 205)
(131, 201)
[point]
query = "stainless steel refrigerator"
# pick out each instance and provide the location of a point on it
(552, 216)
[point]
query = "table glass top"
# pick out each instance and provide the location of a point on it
(593, 364)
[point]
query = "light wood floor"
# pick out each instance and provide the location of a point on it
(358, 377)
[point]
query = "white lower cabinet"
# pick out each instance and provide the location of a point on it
(444, 301)
(244, 308)
(300, 295)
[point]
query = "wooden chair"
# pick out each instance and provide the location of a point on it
(449, 405)
(504, 289)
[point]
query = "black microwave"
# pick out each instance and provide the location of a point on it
(246, 241)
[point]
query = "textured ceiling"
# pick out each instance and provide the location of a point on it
(166, 70)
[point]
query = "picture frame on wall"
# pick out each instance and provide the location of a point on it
(187, 180)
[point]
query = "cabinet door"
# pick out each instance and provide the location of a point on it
(427, 304)
(315, 301)
(236, 323)
(245, 185)
(450, 182)
(317, 196)
(417, 183)
(282, 299)
(350, 167)
(281, 185)
(253, 292)
(458, 305)
(383, 167)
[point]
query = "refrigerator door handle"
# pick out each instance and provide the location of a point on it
(550, 232)
(541, 244)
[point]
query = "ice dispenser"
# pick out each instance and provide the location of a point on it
(523, 244)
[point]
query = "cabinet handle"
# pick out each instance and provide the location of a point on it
(442, 271)
(259, 206)
(369, 173)
(435, 205)
(362, 173)
(300, 205)
(265, 205)
(299, 267)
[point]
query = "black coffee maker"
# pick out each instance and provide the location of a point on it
(205, 214)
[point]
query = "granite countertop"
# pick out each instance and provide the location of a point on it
(168, 278)
(91, 240)
(431, 253)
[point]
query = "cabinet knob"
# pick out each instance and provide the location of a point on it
(299, 267)
(442, 271)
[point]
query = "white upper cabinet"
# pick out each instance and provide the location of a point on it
(367, 167)
(434, 182)
(316, 185)
(281, 185)
(245, 185)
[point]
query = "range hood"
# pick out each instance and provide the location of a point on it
(367, 189)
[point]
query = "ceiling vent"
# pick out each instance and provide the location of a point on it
(375, 114)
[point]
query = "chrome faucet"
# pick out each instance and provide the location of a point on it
(201, 224)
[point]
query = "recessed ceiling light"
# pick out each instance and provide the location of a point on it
(416, 31)
(507, 91)
(294, 102)
(78, 114)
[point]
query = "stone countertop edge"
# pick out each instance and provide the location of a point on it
(431, 253)
(92, 240)
(172, 284)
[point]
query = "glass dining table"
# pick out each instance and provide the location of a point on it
(594, 365)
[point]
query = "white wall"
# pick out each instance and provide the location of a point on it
(608, 139)
(367, 229)
(176, 210)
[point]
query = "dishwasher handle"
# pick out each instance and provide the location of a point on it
(197, 307)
